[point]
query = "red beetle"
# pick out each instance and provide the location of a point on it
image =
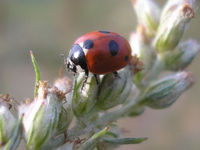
(99, 52)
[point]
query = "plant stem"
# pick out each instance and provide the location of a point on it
(156, 69)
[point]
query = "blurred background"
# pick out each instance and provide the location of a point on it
(49, 28)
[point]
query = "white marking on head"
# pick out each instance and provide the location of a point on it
(84, 50)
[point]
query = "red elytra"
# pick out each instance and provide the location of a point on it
(105, 52)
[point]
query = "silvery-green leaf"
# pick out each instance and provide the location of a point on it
(124, 140)
(92, 141)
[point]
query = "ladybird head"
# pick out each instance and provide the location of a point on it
(76, 61)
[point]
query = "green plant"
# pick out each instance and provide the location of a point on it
(44, 122)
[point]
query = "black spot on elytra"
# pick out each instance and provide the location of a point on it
(106, 32)
(126, 58)
(113, 48)
(88, 44)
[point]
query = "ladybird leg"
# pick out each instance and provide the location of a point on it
(116, 74)
(96, 78)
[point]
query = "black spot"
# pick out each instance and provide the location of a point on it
(113, 47)
(88, 44)
(106, 32)
(126, 58)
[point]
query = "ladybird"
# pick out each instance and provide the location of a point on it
(99, 52)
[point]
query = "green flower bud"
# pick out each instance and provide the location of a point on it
(64, 84)
(182, 56)
(172, 26)
(65, 118)
(115, 90)
(7, 121)
(41, 116)
(84, 95)
(148, 14)
(16, 136)
(10, 127)
(164, 92)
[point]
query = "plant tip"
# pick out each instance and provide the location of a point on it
(31, 52)
(107, 128)
(188, 11)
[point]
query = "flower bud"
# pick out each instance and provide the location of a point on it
(42, 115)
(182, 56)
(16, 136)
(65, 118)
(164, 92)
(148, 14)
(84, 95)
(115, 90)
(10, 127)
(172, 26)
(64, 84)
(7, 120)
